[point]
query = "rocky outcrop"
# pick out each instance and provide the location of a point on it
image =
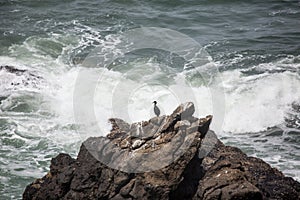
(18, 77)
(167, 157)
(231, 174)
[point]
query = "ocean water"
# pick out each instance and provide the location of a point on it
(255, 47)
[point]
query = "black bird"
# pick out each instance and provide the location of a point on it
(156, 109)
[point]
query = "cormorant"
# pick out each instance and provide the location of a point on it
(156, 109)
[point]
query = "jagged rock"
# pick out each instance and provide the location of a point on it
(13, 70)
(17, 71)
(167, 157)
(57, 180)
(231, 174)
(15, 77)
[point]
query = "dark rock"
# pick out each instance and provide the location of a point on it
(17, 71)
(56, 183)
(231, 174)
(20, 78)
(167, 157)
(58, 163)
(13, 70)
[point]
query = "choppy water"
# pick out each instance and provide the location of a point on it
(255, 45)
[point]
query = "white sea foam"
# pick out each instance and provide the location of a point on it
(117, 96)
(252, 102)
(261, 100)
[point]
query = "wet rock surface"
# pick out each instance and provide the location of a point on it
(167, 157)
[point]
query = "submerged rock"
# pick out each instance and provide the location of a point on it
(167, 157)
(15, 78)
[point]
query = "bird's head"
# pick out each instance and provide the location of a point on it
(154, 102)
